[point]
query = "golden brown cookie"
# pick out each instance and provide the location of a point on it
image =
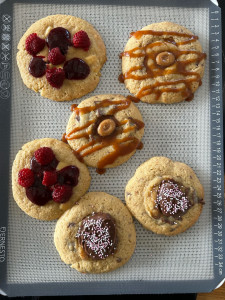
(105, 130)
(165, 196)
(48, 179)
(163, 63)
(97, 235)
(60, 56)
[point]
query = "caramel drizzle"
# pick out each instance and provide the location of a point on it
(133, 99)
(120, 149)
(76, 129)
(73, 106)
(117, 106)
(154, 70)
(63, 139)
(140, 33)
(121, 146)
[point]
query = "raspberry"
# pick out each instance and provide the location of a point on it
(26, 177)
(34, 44)
(81, 40)
(55, 77)
(49, 178)
(61, 193)
(56, 57)
(44, 155)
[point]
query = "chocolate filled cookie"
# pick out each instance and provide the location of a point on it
(47, 179)
(163, 63)
(165, 196)
(105, 130)
(61, 56)
(97, 235)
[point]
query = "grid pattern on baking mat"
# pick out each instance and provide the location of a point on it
(181, 132)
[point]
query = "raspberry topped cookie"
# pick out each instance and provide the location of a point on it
(47, 178)
(60, 56)
(97, 235)
(163, 63)
(105, 130)
(165, 196)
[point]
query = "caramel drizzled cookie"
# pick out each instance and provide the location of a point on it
(163, 63)
(165, 196)
(105, 130)
(97, 235)
(61, 56)
(47, 178)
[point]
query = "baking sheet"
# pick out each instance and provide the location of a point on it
(182, 132)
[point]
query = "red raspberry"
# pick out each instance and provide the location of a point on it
(62, 193)
(55, 77)
(49, 178)
(56, 57)
(26, 177)
(44, 155)
(81, 40)
(34, 44)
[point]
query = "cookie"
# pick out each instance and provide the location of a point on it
(60, 56)
(105, 130)
(97, 235)
(163, 63)
(47, 178)
(165, 196)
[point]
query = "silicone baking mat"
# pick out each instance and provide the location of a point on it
(190, 132)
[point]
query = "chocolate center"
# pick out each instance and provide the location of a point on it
(172, 199)
(97, 235)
